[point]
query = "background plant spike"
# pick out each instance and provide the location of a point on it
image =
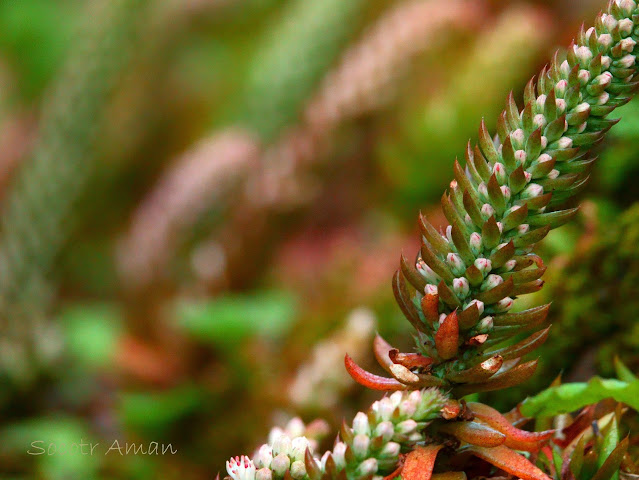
(507, 197)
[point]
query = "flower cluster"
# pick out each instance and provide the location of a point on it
(459, 291)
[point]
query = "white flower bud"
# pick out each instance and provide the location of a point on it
(518, 138)
(625, 26)
(560, 88)
(609, 22)
(505, 191)
(583, 76)
(274, 434)
(581, 128)
(407, 408)
(554, 173)
(385, 408)
(544, 141)
(541, 101)
(539, 120)
(442, 317)
(427, 272)
(605, 40)
(487, 211)
(561, 105)
(406, 427)
(583, 54)
(390, 450)
(523, 228)
(521, 156)
(483, 190)
(367, 468)
(264, 474)
(396, 398)
(280, 464)
(475, 243)
(604, 79)
(544, 157)
(528, 176)
(628, 6)
(627, 61)
(339, 450)
(509, 265)
(603, 98)
(491, 281)
(480, 305)
(628, 44)
(298, 470)
(468, 220)
(533, 190)
(431, 289)
(360, 424)
(360, 445)
(282, 444)
(504, 304)
(565, 142)
(449, 234)
(500, 226)
(461, 287)
(241, 468)
(582, 107)
(500, 172)
(386, 430)
(605, 61)
(455, 263)
(485, 325)
(264, 456)
(484, 265)
(298, 448)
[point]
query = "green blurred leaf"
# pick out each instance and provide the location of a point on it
(59, 435)
(573, 396)
(91, 333)
(156, 411)
(228, 320)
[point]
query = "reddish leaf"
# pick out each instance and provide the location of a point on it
(509, 461)
(474, 433)
(410, 360)
(515, 438)
(382, 348)
(370, 380)
(447, 337)
(419, 463)
(430, 307)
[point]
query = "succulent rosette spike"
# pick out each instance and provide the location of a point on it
(460, 290)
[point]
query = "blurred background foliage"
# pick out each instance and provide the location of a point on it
(202, 203)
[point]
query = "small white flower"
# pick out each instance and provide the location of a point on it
(541, 101)
(523, 228)
(582, 107)
(521, 156)
(390, 450)
(264, 457)
(544, 157)
(561, 87)
(483, 190)
(455, 262)
(386, 430)
(339, 450)
(396, 398)
(492, 281)
(505, 191)
(628, 6)
(627, 61)
(406, 427)
(554, 173)
(487, 211)
(509, 265)
(282, 444)
(367, 468)
(533, 190)
(384, 408)
(625, 26)
(461, 287)
(518, 138)
(264, 474)
(241, 468)
(360, 445)
(544, 141)
(609, 21)
(603, 99)
(605, 40)
(298, 448)
(565, 142)
(298, 470)
(484, 265)
(628, 44)
(605, 62)
(280, 464)
(431, 289)
(485, 325)
(504, 304)
(480, 305)
(360, 424)
(583, 54)
(475, 242)
(561, 105)
(407, 408)
(539, 120)
(583, 76)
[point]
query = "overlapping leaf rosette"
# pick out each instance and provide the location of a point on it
(459, 292)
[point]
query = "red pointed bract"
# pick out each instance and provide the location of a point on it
(419, 463)
(447, 337)
(370, 380)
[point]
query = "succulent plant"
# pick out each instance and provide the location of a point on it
(459, 292)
